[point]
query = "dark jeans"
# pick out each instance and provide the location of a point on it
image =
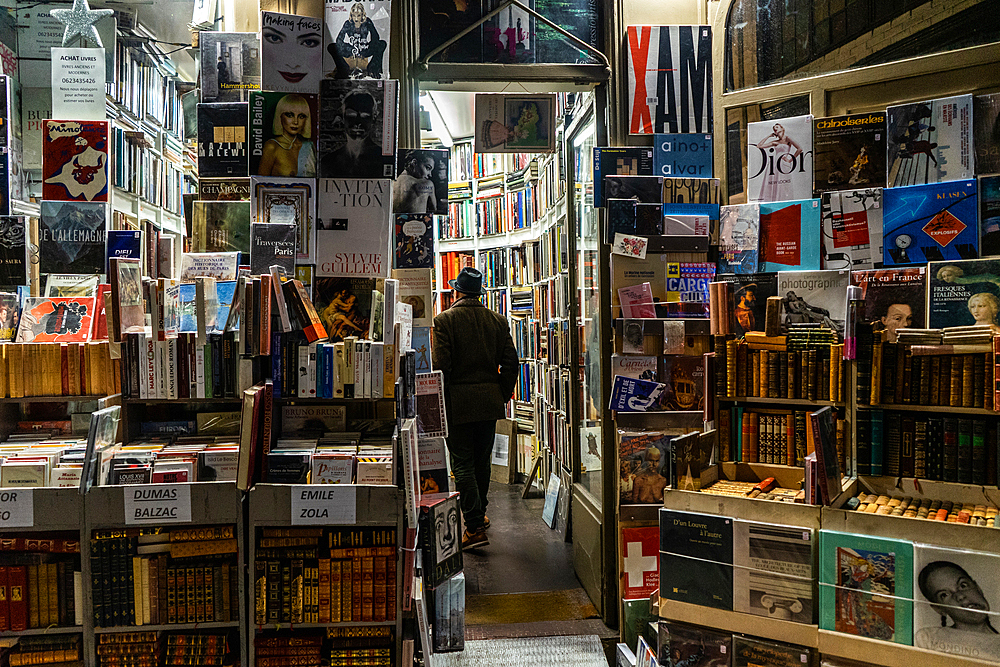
(470, 447)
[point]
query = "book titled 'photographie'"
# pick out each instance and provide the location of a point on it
(849, 152)
(56, 320)
(931, 222)
(633, 161)
(75, 160)
(852, 229)
(272, 244)
(354, 227)
(13, 252)
(696, 558)
(682, 155)
(414, 241)
(929, 142)
(357, 128)
(789, 235)
(71, 237)
(780, 159)
(222, 139)
(230, 65)
(814, 297)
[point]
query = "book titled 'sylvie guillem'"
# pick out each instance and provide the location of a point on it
(696, 558)
(353, 228)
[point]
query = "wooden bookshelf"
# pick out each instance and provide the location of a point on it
(888, 654)
(740, 623)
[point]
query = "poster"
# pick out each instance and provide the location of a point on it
(515, 123)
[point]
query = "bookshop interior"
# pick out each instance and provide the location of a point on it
(748, 252)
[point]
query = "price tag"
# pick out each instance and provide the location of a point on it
(157, 503)
(324, 504)
(17, 508)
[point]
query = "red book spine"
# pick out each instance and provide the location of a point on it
(17, 586)
(265, 314)
(789, 440)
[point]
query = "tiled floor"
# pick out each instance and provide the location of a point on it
(575, 651)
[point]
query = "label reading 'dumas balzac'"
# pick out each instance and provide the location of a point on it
(17, 508)
(324, 504)
(157, 503)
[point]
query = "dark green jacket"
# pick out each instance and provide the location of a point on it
(474, 350)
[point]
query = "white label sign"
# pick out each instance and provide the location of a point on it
(324, 504)
(17, 508)
(157, 503)
(78, 84)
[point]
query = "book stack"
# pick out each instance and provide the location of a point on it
(58, 651)
(29, 460)
(45, 571)
(185, 459)
(981, 514)
(190, 649)
(284, 649)
(138, 649)
(324, 575)
(736, 489)
(336, 458)
(57, 369)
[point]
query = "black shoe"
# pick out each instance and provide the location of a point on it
(475, 540)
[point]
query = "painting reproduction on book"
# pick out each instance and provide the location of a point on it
(750, 294)
(850, 152)
(894, 298)
(643, 460)
(344, 305)
(963, 293)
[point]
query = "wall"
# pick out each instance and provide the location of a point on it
(664, 12)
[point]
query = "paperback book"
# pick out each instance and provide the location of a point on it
(643, 189)
(632, 271)
(986, 132)
(13, 252)
(357, 129)
(637, 301)
(739, 233)
(696, 558)
(414, 241)
(628, 395)
(123, 243)
(669, 79)
(223, 189)
(218, 265)
(789, 235)
(221, 226)
(929, 142)
(71, 284)
(630, 161)
(283, 131)
(690, 191)
(690, 646)
(750, 294)
(963, 293)
(71, 237)
(850, 152)
(780, 159)
(357, 39)
(852, 229)
(291, 48)
(682, 155)
(75, 160)
(643, 460)
(640, 546)
(127, 307)
(749, 652)
(628, 216)
(222, 139)
(814, 297)
(639, 367)
(415, 290)
(56, 320)
(230, 66)
(989, 215)
(422, 345)
(773, 571)
(287, 200)
(344, 305)
(10, 316)
(684, 380)
(894, 298)
(421, 186)
(353, 227)
(272, 244)
(930, 223)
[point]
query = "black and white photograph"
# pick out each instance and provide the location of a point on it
(814, 297)
(357, 129)
(515, 123)
(422, 183)
(230, 65)
(357, 39)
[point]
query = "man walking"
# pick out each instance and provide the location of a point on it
(475, 352)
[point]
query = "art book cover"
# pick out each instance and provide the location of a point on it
(56, 320)
(930, 223)
(221, 226)
(682, 155)
(696, 558)
(222, 139)
(637, 301)
(687, 282)
(10, 316)
(748, 652)
(773, 574)
(963, 293)
(515, 123)
(354, 227)
(690, 191)
(690, 646)
(223, 189)
(739, 233)
(684, 225)
(849, 152)
(287, 200)
(421, 185)
(75, 160)
(955, 602)
(414, 241)
(13, 252)
(626, 161)
(669, 79)
(814, 297)
(357, 39)
(272, 243)
(357, 129)
(291, 48)
(894, 298)
(989, 215)
(422, 345)
(629, 395)
(628, 216)
(643, 460)
(230, 65)
(640, 548)
(929, 142)
(126, 295)
(415, 289)
(71, 237)
(631, 271)
(852, 229)
(283, 131)
(866, 586)
(639, 367)
(432, 422)
(344, 305)
(750, 292)
(123, 243)
(986, 132)
(789, 235)
(684, 380)
(780, 159)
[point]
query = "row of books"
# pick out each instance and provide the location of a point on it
(461, 220)
(981, 514)
(899, 376)
(36, 459)
(58, 369)
(157, 180)
(675, 642)
(337, 458)
(338, 647)
(506, 212)
(813, 374)
(775, 437)
(40, 591)
(42, 649)
(522, 300)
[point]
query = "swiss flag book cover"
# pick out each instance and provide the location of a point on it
(640, 549)
(75, 160)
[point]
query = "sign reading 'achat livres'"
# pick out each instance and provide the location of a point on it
(320, 504)
(157, 503)
(17, 508)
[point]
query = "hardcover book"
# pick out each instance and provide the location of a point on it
(126, 296)
(929, 142)
(283, 130)
(292, 200)
(684, 380)
(929, 223)
(749, 652)
(75, 160)
(789, 235)
(963, 293)
(989, 216)
(71, 284)
(414, 241)
(124, 243)
(223, 189)
(849, 152)
(814, 297)
(421, 184)
(415, 289)
(894, 298)
(440, 537)
(218, 265)
(56, 320)
(230, 66)
(865, 586)
(640, 548)
(291, 48)
(222, 139)
(696, 558)
(634, 366)
(354, 227)
(685, 225)
(690, 191)
(422, 346)
(628, 395)
(692, 454)
(750, 292)
(690, 646)
(344, 305)
(682, 155)
(852, 229)
(780, 159)
(773, 574)
(986, 132)
(357, 129)
(515, 123)
(272, 244)
(643, 466)
(221, 226)
(432, 422)
(71, 237)
(357, 39)
(630, 161)
(10, 316)
(739, 244)
(13, 252)
(669, 79)
(643, 189)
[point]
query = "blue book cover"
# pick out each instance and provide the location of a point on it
(421, 343)
(632, 161)
(739, 231)
(123, 243)
(789, 235)
(989, 215)
(683, 155)
(632, 395)
(710, 210)
(930, 223)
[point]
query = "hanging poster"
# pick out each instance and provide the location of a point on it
(515, 123)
